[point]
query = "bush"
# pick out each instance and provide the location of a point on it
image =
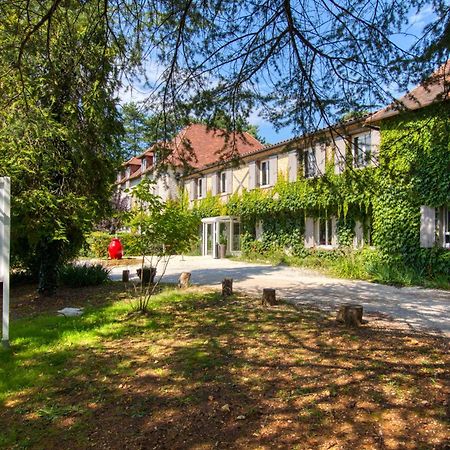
(74, 275)
(130, 243)
(98, 242)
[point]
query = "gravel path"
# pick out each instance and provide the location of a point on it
(415, 308)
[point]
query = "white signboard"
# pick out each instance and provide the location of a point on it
(5, 226)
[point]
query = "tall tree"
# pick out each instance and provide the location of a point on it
(135, 123)
(59, 126)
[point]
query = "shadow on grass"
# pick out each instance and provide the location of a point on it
(203, 372)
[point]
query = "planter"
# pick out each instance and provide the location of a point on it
(147, 275)
(222, 250)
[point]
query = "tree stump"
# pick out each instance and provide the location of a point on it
(147, 275)
(269, 297)
(351, 315)
(227, 287)
(125, 276)
(184, 280)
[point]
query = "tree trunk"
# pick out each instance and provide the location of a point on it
(269, 297)
(49, 254)
(350, 315)
(227, 287)
(125, 276)
(184, 280)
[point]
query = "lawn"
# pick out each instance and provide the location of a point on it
(203, 372)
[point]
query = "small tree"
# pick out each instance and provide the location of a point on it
(165, 229)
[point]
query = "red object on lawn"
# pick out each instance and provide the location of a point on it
(115, 249)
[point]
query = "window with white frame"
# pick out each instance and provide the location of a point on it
(144, 164)
(264, 168)
(200, 187)
(361, 150)
(310, 163)
(222, 182)
(325, 229)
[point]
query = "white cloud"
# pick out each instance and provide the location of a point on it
(422, 17)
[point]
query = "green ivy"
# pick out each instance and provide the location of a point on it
(413, 170)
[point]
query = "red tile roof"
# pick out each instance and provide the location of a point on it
(132, 162)
(197, 145)
(434, 89)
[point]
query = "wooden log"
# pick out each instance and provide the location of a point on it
(351, 315)
(269, 297)
(184, 280)
(125, 276)
(227, 287)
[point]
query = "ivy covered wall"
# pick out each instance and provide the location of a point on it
(413, 170)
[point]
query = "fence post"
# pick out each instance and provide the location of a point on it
(5, 227)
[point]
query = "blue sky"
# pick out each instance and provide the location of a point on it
(137, 91)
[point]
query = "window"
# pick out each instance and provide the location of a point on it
(325, 232)
(200, 187)
(222, 182)
(361, 150)
(310, 163)
(446, 227)
(144, 164)
(264, 168)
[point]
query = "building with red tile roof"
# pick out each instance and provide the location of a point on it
(193, 148)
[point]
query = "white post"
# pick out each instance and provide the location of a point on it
(5, 226)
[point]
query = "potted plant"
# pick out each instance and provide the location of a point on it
(222, 245)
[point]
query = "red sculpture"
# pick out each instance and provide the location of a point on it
(115, 249)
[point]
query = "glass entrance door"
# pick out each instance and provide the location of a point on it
(209, 239)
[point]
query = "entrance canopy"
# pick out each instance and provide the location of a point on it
(224, 230)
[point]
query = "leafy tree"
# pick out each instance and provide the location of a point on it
(165, 230)
(59, 127)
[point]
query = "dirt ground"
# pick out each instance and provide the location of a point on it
(210, 373)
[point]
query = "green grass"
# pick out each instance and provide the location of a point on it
(361, 264)
(41, 346)
(110, 377)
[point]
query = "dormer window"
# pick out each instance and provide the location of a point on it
(265, 173)
(310, 163)
(144, 164)
(361, 150)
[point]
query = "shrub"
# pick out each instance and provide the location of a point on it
(74, 275)
(98, 242)
(130, 243)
